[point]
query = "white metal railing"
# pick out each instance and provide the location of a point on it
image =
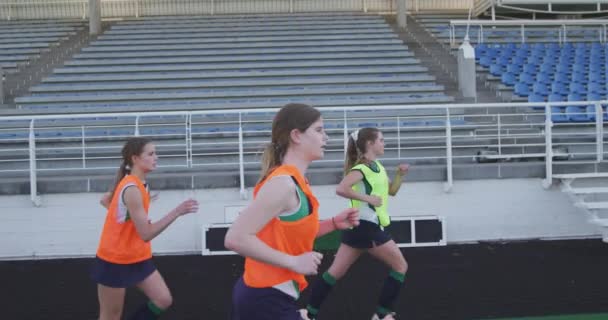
(233, 138)
(78, 9)
(516, 5)
(561, 26)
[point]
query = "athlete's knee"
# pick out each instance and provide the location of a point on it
(110, 313)
(164, 300)
(401, 266)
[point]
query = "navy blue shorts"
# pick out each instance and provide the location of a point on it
(120, 275)
(366, 235)
(261, 304)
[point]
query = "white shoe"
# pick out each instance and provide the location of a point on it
(304, 314)
(390, 316)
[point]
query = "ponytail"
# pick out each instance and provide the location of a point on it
(357, 147)
(271, 158)
(122, 172)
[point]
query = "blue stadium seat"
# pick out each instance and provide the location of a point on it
(577, 114)
(540, 88)
(558, 114)
(508, 79)
(522, 89)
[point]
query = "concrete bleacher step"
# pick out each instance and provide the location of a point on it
(228, 45)
(226, 83)
(572, 176)
(246, 23)
(243, 66)
(593, 205)
(30, 40)
(24, 45)
(220, 38)
(590, 190)
(222, 33)
(244, 58)
(14, 58)
(254, 27)
(171, 52)
(20, 51)
(28, 35)
(411, 73)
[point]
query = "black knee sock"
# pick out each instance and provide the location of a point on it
(148, 311)
(320, 289)
(390, 291)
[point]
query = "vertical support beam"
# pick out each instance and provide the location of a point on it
(189, 151)
(448, 150)
(1, 86)
(241, 159)
(548, 148)
(136, 126)
(33, 169)
(599, 131)
(401, 13)
(345, 133)
(94, 17)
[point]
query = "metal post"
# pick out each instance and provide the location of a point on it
(448, 150)
(241, 161)
(548, 148)
(345, 133)
(599, 131)
(1, 86)
(84, 155)
(137, 126)
(33, 177)
(499, 135)
(189, 140)
(399, 137)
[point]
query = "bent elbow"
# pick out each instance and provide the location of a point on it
(341, 192)
(231, 241)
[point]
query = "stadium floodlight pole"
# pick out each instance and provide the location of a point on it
(401, 13)
(94, 17)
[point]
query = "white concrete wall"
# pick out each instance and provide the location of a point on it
(69, 224)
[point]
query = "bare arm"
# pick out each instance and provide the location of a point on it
(395, 185)
(325, 227)
(274, 197)
(345, 188)
(147, 230)
(105, 200)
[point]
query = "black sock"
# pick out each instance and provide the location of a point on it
(148, 311)
(389, 293)
(320, 289)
